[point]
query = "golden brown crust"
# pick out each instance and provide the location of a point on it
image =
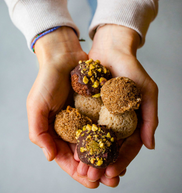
(68, 122)
(120, 94)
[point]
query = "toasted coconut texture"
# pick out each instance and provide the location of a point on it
(88, 106)
(122, 124)
(68, 122)
(120, 94)
(97, 146)
(88, 77)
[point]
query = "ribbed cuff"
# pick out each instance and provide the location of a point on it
(135, 14)
(34, 16)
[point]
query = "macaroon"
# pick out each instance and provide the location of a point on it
(121, 94)
(68, 121)
(88, 106)
(97, 146)
(122, 124)
(88, 77)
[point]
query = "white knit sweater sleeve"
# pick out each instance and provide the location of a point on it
(34, 16)
(135, 14)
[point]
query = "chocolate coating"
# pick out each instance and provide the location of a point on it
(88, 77)
(97, 146)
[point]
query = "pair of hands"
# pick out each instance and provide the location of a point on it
(58, 53)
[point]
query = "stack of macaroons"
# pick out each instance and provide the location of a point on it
(103, 114)
(120, 97)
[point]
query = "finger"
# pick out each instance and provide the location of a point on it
(76, 155)
(72, 147)
(95, 174)
(66, 161)
(128, 151)
(111, 182)
(149, 114)
(122, 173)
(82, 169)
(39, 131)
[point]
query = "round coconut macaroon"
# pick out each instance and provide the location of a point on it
(120, 94)
(122, 124)
(88, 77)
(97, 146)
(88, 106)
(68, 121)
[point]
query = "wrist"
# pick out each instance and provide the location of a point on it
(111, 36)
(52, 47)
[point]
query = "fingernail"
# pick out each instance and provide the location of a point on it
(46, 153)
(91, 180)
(81, 176)
(108, 176)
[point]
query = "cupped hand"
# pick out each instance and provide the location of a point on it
(58, 53)
(115, 47)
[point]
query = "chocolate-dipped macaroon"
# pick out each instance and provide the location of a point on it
(88, 77)
(97, 146)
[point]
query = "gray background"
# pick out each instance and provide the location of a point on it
(23, 167)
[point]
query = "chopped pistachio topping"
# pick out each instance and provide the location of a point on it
(96, 95)
(99, 163)
(84, 128)
(88, 137)
(91, 152)
(101, 145)
(92, 160)
(108, 135)
(85, 80)
(88, 61)
(89, 127)
(112, 139)
(99, 69)
(92, 66)
(78, 132)
(96, 84)
(102, 79)
(105, 70)
(92, 79)
(94, 127)
(97, 61)
(90, 73)
(82, 149)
